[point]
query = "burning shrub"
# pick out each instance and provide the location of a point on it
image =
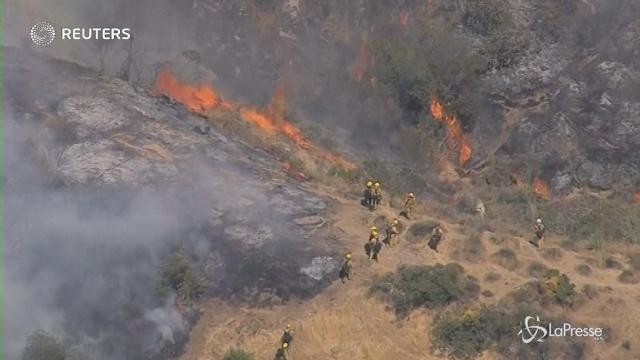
(438, 61)
(177, 274)
(429, 286)
(237, 354)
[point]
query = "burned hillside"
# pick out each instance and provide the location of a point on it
(191, 190)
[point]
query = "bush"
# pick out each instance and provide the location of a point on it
(43, 346)
(465, 333)
(537, 269)
(506, 258)
(177, 274)
(429, 286)
(634, 261)
(583, 269)
(237, 354)
(593, 219)
(438, 61)
(628, 277)
(562, 288)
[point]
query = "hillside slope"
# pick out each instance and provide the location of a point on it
(346, 322)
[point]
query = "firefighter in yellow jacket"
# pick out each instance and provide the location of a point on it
(391, 236)
(409, 203)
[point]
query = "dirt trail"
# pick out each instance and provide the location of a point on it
(344, 322)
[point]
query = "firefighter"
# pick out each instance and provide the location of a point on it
(391, 236)
(376, 247)
(281, 354)
(377, 194)
(436, 237)
(368, 195)
(287, 336)
(539, 230)
(345, 270)
(373, 239)
(409, 203)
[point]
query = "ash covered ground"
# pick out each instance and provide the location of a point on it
(103, 181)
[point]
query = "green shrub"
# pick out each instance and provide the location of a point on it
(466, 332)
(177, 274)
(437, 61)
(594, 220)
(43, 346)
(565, 291)
(429, 286)
(237, 354)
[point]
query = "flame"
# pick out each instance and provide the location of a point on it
(203, 98)
(198, 99)
(259, 119)
(541, 189)
(455, 130)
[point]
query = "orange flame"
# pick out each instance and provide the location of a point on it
(198, 99)
(541, 189)
(201, 99)
(455, 130)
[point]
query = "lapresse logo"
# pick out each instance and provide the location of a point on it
(534, 331)
(43, 33)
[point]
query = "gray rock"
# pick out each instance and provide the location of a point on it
(309, 221)
(561, 181)
(595, 174)
(320, 267)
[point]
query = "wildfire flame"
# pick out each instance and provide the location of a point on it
(203, 98)
(541, 189)
(454, 129)
(198, 99)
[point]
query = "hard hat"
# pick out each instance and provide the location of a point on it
(395, 222)
(412, 195)
(374, 228)
(285, 345)
(348, 256)
(377, 184)
(538, 221)
(288, 327)
(369, 184)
